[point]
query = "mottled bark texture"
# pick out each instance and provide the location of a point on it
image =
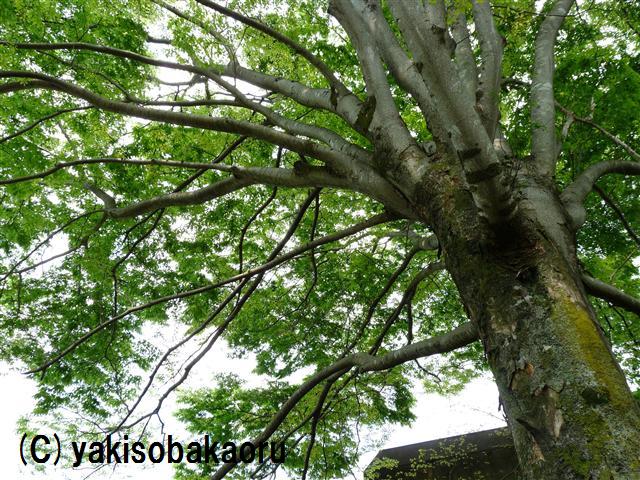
(506, 233)
(567, 402)
(508, 240)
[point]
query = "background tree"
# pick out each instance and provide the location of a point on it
(340, 188)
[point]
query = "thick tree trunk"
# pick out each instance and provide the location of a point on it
(567, 402)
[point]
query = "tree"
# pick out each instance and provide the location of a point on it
(344, 193)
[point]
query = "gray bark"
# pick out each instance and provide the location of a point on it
(543, 131)
(566, 400)
(507, 240)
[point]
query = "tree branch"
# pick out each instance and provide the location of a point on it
(243, 177)
(188, 103)
(419, 242)
(611, 294)
(223, 326)
(574, 195)
(220, 124)
(314, 424)
(625, 223)
(49, 237)
(34, 124)
(464, 57)
(83, 242)
(604, 131)
(466, 136)
(362, 177)
(117, 52)
(248, 223)
(544, 141)
(163, 41)
(299, 49)
(295, 127)
(406, 299)
(376, 301)
(123, 161)
(347, 107)
(371, 222)
(191, 364)
(490, 68)
(364, 362)
(202, 25)
(406, 73)
(380, 113)
(228, 150)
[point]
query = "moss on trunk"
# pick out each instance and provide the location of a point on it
(567, 402)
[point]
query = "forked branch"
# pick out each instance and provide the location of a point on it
(364, 362)
(574, 195)
(295, 252)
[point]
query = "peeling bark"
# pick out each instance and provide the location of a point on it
(508, 238)
(567, 401)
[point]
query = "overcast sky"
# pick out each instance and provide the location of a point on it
(476, 408)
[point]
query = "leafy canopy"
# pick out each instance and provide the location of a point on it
(296, 317)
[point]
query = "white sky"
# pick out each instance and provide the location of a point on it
(474, 409)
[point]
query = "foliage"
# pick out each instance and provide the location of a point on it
(303, 314)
